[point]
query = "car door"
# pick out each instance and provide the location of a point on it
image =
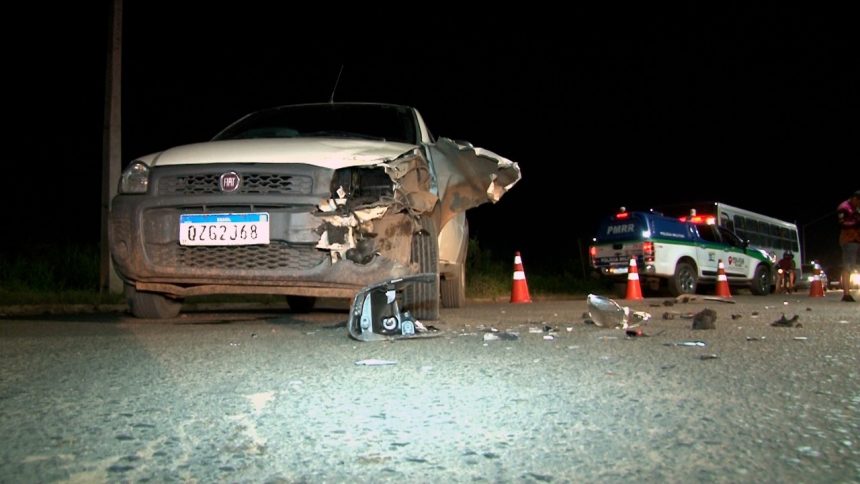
(709, 250)
(738, 263)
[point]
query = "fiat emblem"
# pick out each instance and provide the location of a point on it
(230, 181)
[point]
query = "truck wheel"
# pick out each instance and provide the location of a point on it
(684, 280)
(301, 304)
(151, 305)
(760, 284)
(422, 299)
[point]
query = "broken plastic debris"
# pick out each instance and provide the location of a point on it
(686, 343)
(705, 319)
(376, 313)
(327, 206)
(606, 312)
(503, 336)
(375, 362)
(640, 317)
(787, 323)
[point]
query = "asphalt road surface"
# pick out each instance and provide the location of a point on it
(263, 395)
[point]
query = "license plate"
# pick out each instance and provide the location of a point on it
(224, 229)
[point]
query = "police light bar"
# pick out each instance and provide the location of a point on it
(699, 219)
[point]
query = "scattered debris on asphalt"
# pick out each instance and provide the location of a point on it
(686, 343)
(787, 323)
(720, 299)
(606, 312)
(375, 362)
(501, 336)
(705, 319)
(710, 356)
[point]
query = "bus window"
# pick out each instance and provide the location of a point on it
(727, 222)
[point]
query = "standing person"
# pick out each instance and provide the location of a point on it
(786, 267)
(848, 213)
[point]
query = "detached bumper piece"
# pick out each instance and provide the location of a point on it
(376, 314)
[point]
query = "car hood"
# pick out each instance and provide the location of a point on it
(324, 152)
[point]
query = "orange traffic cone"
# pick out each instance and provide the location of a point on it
(722, 281)
(816, 289)
(520, 289)
(634, 291)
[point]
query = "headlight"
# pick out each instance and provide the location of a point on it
(135, 178)
(362, 185)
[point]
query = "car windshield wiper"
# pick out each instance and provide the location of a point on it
(341, 134)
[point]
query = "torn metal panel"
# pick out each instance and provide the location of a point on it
(467, 176)
(376, 313)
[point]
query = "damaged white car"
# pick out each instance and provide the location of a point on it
(306, 201)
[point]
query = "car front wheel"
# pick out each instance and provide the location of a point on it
(760, 284)
(150, 305)
(422, 299)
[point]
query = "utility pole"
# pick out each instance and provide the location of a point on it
(111, 143)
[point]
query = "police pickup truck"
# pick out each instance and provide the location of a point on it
(680, 253)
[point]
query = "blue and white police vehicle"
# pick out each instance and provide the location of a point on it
(678, 253)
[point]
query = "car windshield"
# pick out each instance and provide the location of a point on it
(360, 121)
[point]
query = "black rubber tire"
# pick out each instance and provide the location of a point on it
(453, 288)
(422, 299)
(761, 281)
(684, 281)
(151, 305)
(301, 304)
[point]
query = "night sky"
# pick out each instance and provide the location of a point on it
(599, 108)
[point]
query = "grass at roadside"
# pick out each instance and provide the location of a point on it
(68, 274)
(490, 277)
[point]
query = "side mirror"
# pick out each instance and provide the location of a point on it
(377, 315)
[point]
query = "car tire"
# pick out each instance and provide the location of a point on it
(422, 299)
(301, 304)
(151, 305)
(761, 281)
(684, 281)
(454, 288)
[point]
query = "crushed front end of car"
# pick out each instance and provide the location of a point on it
(300, 216)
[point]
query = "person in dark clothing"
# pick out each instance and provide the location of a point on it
(786, 273)
(848, 214)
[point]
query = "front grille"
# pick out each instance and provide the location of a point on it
(262, 183)
(275, 256)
